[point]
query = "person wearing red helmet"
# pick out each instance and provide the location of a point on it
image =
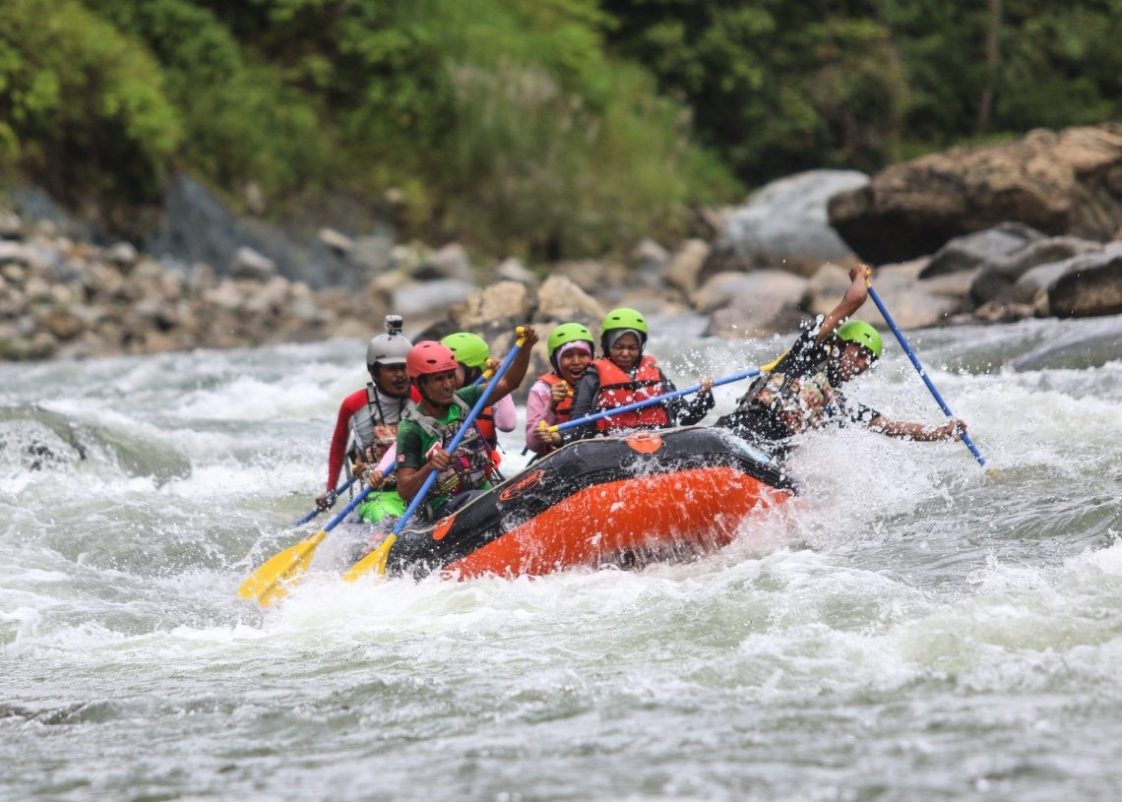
(434, 421)
(366, 425)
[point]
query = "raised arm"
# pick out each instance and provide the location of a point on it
(517, 372)
(855, 295)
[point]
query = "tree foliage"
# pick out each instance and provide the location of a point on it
(542, 128)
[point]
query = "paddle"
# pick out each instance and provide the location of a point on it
(658, 399)
(376, 560)
(271, 580)
(920, 369)
(330, 502)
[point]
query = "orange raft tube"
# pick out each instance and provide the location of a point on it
(628, 501)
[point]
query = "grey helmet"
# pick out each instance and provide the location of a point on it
(389, 348)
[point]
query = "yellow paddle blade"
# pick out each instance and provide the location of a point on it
(374, 561)
(270, 582)
(770, 366)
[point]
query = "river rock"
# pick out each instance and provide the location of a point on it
(560, 300)
(425, 297)
(752, 304)
(247, 263)
(684, 267)
(785, 225)
(981, 248)
(507, 301)
(1094, 289)
(1067, 182)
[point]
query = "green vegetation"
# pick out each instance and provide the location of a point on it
(541, 128)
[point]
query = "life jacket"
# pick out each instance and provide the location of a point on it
(797, 402)
(369, 428)
(485, 421)
(618, 389)
(471, 466)
(564, 410)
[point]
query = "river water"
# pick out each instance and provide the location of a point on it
(911, 628)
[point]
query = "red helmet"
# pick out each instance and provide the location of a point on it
(429, 357)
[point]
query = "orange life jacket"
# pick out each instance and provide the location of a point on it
(564, 410)
(618, 389)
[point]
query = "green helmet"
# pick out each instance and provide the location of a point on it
(623, 318)
(569, 333)
(860, 332)
(470, 349)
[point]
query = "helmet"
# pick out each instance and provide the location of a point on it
(429, 357)
(470, 349)
(860, 332)
(623, 318)
(568, 333)
(387, 349)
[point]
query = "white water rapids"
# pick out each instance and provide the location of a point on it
(909, 629)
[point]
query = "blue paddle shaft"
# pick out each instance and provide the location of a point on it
(317, 510)
(658, 399)
(418, 499)
(922, 372)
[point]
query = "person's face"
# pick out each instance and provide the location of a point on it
(437, 388)
(855, 360)
(573, 363)
(392, 380)
(624, 352)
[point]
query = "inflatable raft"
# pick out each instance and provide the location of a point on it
(628, 501)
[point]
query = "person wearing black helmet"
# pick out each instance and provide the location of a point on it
(803, 389)
(366, 426)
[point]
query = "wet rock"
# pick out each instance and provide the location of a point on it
(247, 263)
(785, 225)
(560, 299)
(684, 267)
(982, 248)
(1087, 291)
(513, 270)
(1057, 182)
(506, 302)
(338, 242)
(418, 298)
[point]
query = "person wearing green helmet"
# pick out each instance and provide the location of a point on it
(803, 389)
(625, 375)
(474, 357)
(551, 397)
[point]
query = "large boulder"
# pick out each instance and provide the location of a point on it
(1093, 288)
(784, 225)
(1068, 182)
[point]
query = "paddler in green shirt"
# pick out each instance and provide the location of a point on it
(434, 421)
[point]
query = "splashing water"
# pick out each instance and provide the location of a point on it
(908, 628)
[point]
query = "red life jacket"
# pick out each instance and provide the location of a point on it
(619, 389)
(485, 422)
(564, 410)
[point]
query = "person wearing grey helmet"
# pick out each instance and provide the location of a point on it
(366, 426)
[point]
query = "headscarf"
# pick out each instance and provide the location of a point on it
(612, 337)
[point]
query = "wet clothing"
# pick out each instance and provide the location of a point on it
(380, 505)
(537, 409)
(471, 467)
(801, 392)
(367, 418)
(605, 386)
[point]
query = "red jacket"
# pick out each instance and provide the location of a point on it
(618, 389)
